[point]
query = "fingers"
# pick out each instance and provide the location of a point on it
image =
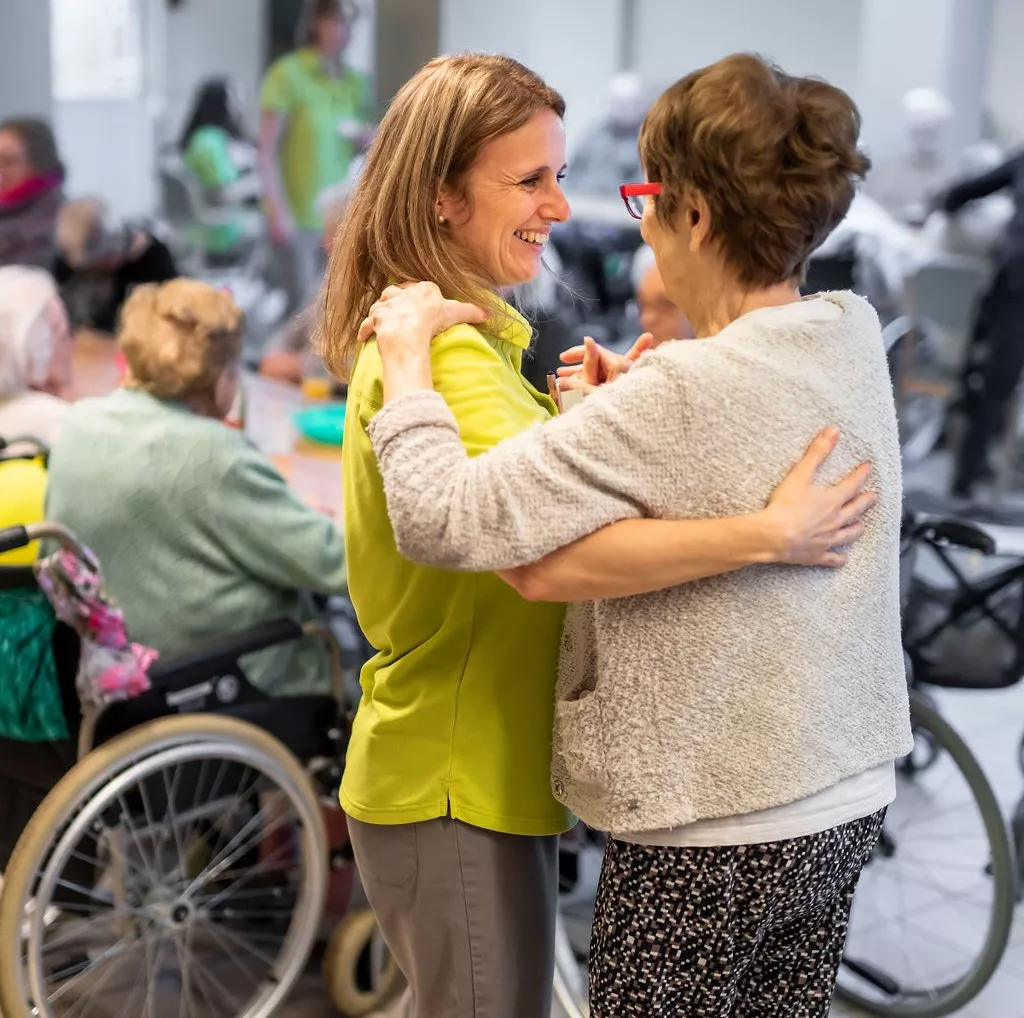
(852, 484)
(574, 355)
(847, 535)
(570, 371)
(854, 509)
(591, 361)
(366, 330)
(577, 381)
(832, 560)
(641, 346)
(454, 312)
(817, 452)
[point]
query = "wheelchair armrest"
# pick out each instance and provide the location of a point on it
(223, 655)
(13, 538)
(959, 534)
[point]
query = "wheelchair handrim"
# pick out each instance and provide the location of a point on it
(238, 743)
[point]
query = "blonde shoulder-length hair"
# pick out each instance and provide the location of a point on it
(178, 338)
(429, 138)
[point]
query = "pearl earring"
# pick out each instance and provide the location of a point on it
(441, 220)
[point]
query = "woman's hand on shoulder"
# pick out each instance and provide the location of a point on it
(809, 521)
(591, 365)
(407, 317)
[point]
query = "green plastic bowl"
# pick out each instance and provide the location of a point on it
(324, 424)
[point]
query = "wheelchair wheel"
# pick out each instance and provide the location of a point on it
(180, 868)
(932, 915)
(360, 975)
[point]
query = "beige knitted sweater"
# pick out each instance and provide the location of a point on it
(719, 697)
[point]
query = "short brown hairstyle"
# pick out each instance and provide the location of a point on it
(430, 136)
(178, 338)
(774, 156)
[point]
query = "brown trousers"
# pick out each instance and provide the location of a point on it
(468, 914)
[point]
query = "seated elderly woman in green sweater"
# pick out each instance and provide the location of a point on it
(199, 536)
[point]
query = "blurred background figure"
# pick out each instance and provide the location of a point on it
(101, 258)
(657, 314)
(35, 355)
(215, 148)
(290, 356)
(31, 183)
(996, 352)
(975, 229)
(608, 155)
(906, 184)
(198, 533)
(314, 119)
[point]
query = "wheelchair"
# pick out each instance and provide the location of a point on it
(183, 842)
(933, 913)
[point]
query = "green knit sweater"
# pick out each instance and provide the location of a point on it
(198, 535)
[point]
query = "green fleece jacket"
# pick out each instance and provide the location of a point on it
(198, 535)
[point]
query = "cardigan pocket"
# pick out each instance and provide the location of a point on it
(581, 740)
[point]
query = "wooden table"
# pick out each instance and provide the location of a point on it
(314, 470)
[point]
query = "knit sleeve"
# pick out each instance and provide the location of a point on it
(603, 461)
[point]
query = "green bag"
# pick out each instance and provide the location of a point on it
(30, 702)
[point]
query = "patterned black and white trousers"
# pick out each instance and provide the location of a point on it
(748, 931)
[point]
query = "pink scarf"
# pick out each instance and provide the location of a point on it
(34, 187)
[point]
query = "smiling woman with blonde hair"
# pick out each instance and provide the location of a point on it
(447, 776)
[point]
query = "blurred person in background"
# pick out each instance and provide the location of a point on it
(35, 355)
(198, 533)
(31, 192)
(996, 351)
(101, 258)
(215, 148)
(659, 317)
(314, 119)
(905, 185)
(290, 353)
(608, 154)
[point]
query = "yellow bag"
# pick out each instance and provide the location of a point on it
(22, 496)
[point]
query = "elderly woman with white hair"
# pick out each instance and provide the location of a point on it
(35, 355)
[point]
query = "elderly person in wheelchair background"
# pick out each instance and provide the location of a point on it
(198, 534)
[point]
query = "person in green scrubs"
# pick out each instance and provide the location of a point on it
(215, 149)
(314, 119)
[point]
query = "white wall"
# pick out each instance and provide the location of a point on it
(1006, 71)
(941, 44)
(109, 146)
(25, 58)
(572, 44)
(819, 37)
(213, 38)
(575, 44)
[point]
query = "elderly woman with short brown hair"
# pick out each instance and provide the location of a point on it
(198, 534)
(737, 734)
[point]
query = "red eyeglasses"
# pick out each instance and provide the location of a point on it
(634, 194)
